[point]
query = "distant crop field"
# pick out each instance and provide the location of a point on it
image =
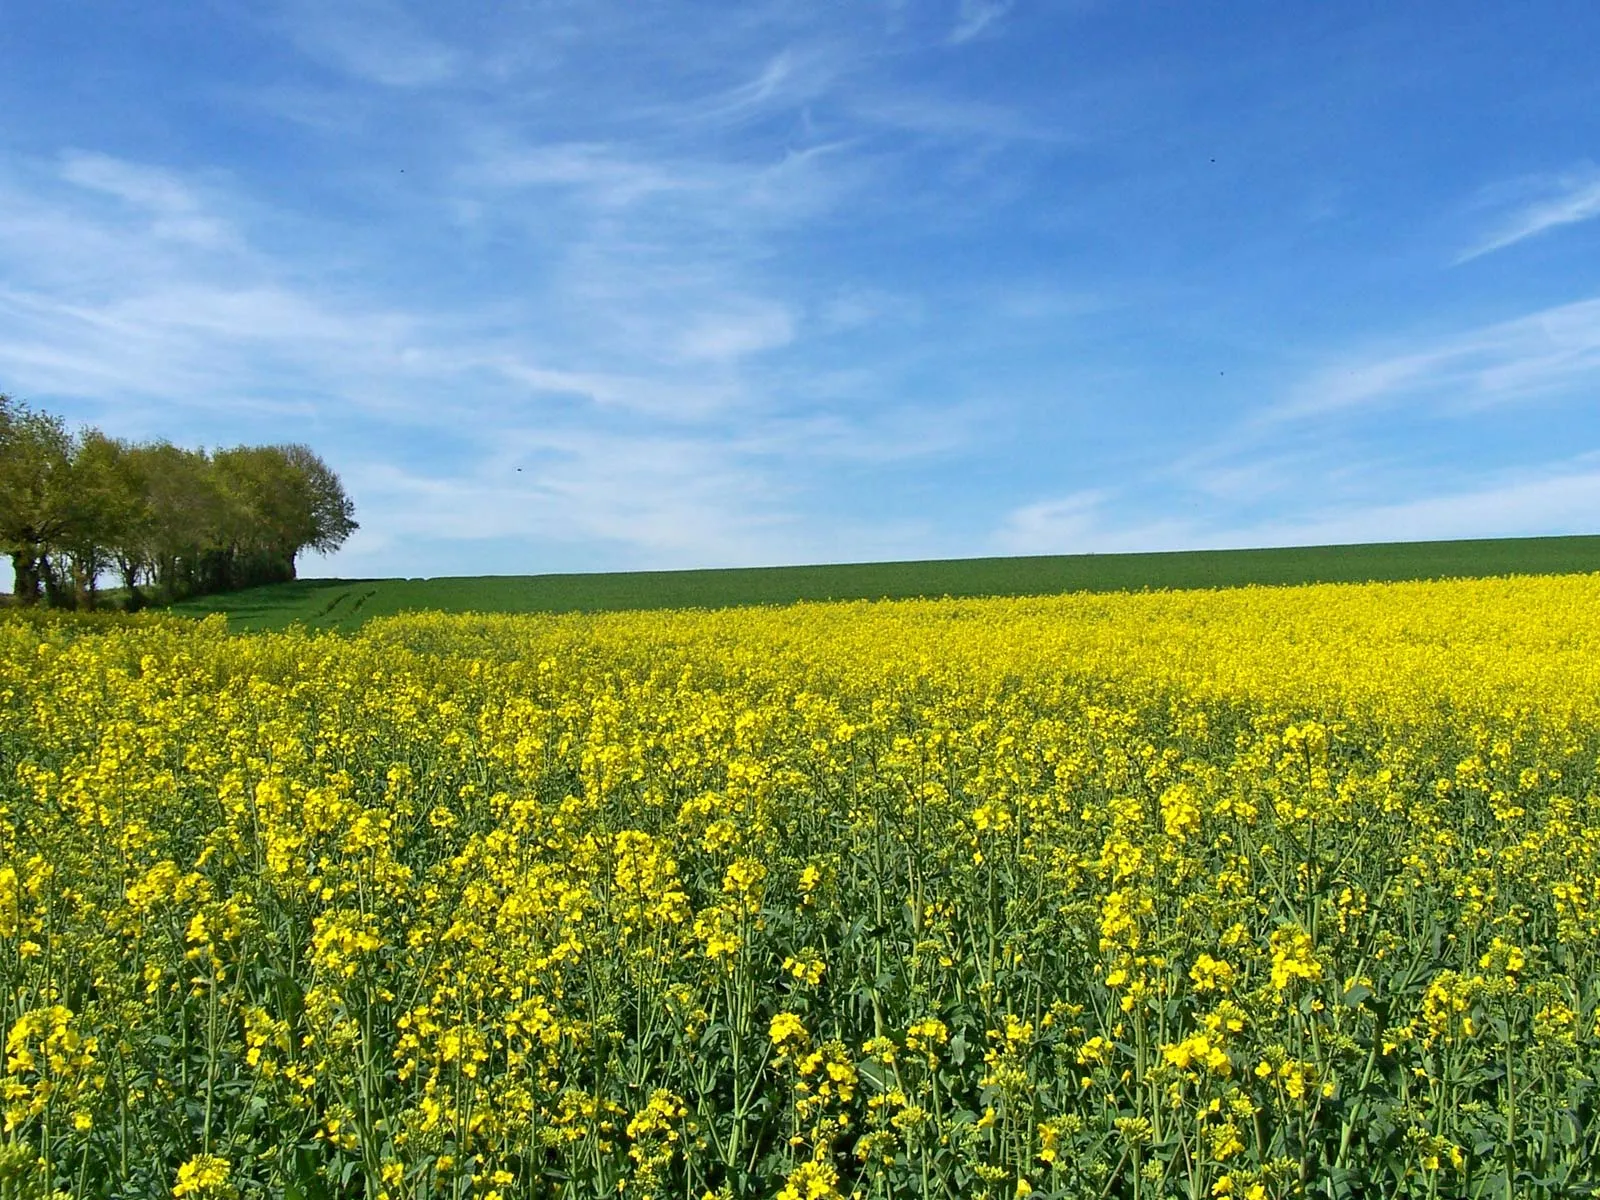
(348, 604)
(1271, 894)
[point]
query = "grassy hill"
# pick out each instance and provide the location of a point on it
(347, 603)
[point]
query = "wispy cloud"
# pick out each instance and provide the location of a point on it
(650, 498)
(661, 254)
(737, 333)
(975, 17)
(659, 445)
(1085, 522)
(662, 190)
(161, 298)
(1568, 199)
(795, 76)
(175, 210)
(772, 282)
(861, 306)
(656, 499)
(1538, 354)
(603, 174)
(1549, 498)
(373, 40)
(955, 118)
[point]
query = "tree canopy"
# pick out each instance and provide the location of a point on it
(77, 506)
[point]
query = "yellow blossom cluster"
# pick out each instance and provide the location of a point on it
(1263, 893)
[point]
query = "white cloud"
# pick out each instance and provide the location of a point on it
(1555, 498)
(372, 40)
(605, 175)
(641, 433)
(860, 306)
(1541, 353)
(737, 333)
(175, 209)
(1047, 525)
(651, 395)
(172, 208)
(1575, 198)
(660, 255)
(201, 344)
(1083, 523)
(673, 498)
(606, 238)
(1548, 499)
(793, 77)
(664, 499)
(975, 16)
(1026, 301)
(954, 119)
(863, 435)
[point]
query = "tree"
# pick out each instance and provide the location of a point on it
(35, 492)
(74, 507)
(129, 542)
(261, 488)
(188, 516)
(281, 500)
(105, 504)
(327, 515)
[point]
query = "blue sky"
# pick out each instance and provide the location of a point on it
(605, 285)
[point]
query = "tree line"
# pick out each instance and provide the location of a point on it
(166, 521)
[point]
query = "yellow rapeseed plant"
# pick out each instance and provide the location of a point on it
(1261, 893)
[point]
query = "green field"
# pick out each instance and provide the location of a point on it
(347, 603)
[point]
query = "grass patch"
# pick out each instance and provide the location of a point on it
(347, 603)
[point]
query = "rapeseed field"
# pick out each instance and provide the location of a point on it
(1255, 893)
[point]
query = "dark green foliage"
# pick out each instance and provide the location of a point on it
(76, 506)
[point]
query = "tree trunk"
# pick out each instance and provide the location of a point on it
(26, 565)
(58, 591)
(82, 588)
(130, 581)
(167, 576)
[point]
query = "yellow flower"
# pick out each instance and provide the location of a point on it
(811, 1181)
(10, 902)
(1211, 974)
(785, 1029)
(1293, 958)
(807, 967)
(206, 1177)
